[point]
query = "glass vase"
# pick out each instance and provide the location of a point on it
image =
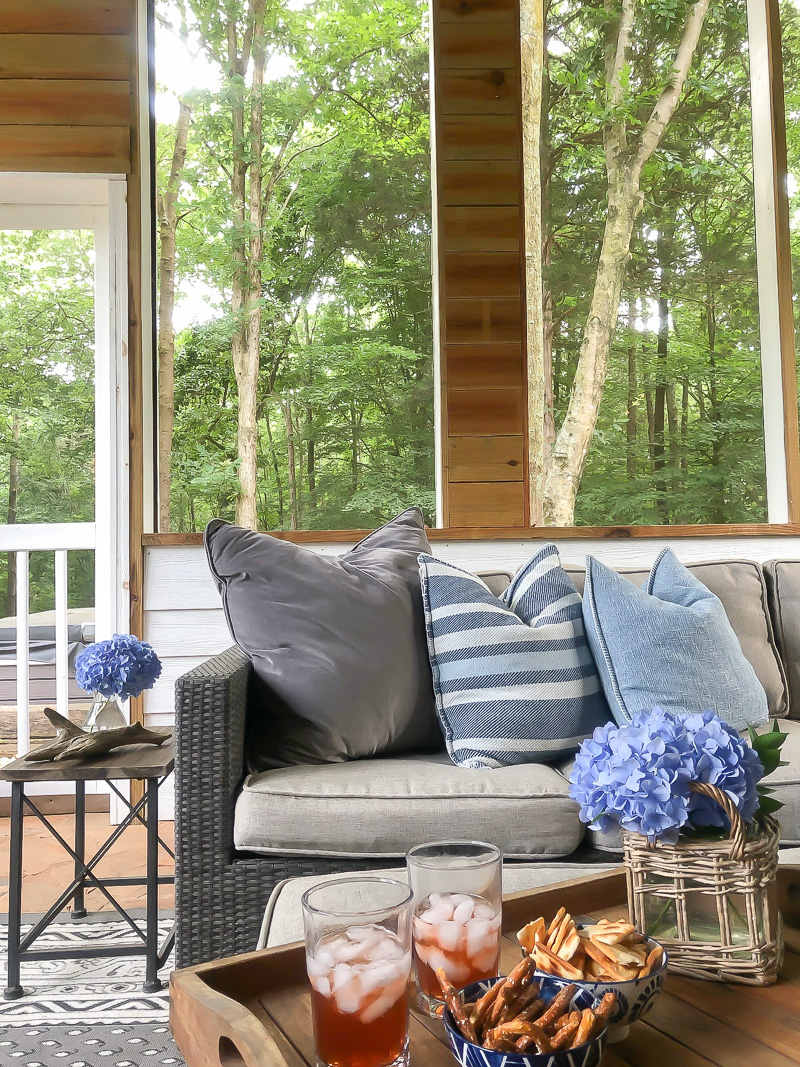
(106, 713)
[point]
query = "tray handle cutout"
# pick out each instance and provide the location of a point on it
(229, 1055)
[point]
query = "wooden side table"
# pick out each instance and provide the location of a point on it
(146, 763)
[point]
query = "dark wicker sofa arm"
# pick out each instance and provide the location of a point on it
(210, 721)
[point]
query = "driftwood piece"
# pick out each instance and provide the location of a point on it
(71, 742)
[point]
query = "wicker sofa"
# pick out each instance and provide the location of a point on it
(225, 875)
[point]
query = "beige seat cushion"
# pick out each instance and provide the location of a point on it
(283, 920)
(382, 807)
(741, 587)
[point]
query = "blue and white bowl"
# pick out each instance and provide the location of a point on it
(635, 998)
(469, 1055)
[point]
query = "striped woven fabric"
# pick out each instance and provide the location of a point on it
(514, 678)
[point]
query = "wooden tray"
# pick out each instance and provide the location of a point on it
(255, 1011)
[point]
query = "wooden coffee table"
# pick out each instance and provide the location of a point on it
(254, 1010)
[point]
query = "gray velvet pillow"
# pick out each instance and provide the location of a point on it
(338, 643)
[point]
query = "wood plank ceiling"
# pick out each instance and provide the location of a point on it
(477, 144)
(65, 85)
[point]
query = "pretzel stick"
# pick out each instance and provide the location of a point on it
(535, 1036)
(558, 1005)
(605, 1009)
(520, 978)
(533, 1011)
(563, 1037)
(483, 1005)
(456, 1006)
(585, 1028)
(517, 1005)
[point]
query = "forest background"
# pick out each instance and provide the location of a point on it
(294, 275)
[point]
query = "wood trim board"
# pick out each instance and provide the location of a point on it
(65, 85)
(479, 221)
(791, 428)
(514, 533)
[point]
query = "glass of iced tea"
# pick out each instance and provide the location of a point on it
(458, 897)
(358, 955)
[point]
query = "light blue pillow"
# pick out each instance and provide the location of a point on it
(669, 645)
(514, 678)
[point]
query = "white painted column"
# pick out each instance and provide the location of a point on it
(23, 654)
(62, 652)
(767, 260)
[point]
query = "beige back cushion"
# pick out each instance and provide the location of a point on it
(741, 587)
(496, 580)
(783, 584)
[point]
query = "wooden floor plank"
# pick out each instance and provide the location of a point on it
(291, 1012)
(711, 1038)
(646, 1047)
(291, 1054)
(747, 1010)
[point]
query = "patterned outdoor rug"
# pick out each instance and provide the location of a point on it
(86, 1012)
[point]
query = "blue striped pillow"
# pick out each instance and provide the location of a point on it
(514, 678)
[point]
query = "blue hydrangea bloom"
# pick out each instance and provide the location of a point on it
(724, 759)
(638, 775)
(122, 666)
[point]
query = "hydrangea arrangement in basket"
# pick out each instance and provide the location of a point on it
(699, 838)
(113, 671)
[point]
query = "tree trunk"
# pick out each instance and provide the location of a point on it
(624, 164)
(11, 514)
(633, 391)
(674, 447)
(547, 252)
(275, 467)
(719, 508)
(167, 228)
(532, 45)
(572, 443)
(651, 418)
(245, 428)
(354, 448)
(685, 426)
(290, 456)
(248, 217)
(311, 460)
(663, 255)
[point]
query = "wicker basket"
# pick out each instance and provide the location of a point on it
(712, 904)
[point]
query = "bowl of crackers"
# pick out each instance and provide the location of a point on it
(525, 1020)
(607, 956)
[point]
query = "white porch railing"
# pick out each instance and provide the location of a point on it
(23, 540)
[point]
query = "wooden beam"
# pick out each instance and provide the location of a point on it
(485, 412)
(479, 227)
(42, 102)
(79, 149)
(60, 55)
(486, 459)
(482, 503)
(524, 533)
(65, 16)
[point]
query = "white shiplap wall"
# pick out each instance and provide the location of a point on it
(185, 624)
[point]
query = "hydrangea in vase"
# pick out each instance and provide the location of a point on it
(112, 671)
(699, 838)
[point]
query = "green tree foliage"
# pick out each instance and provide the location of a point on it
(680, 434)
(47, 397)
(345, 389)
(345, 392)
